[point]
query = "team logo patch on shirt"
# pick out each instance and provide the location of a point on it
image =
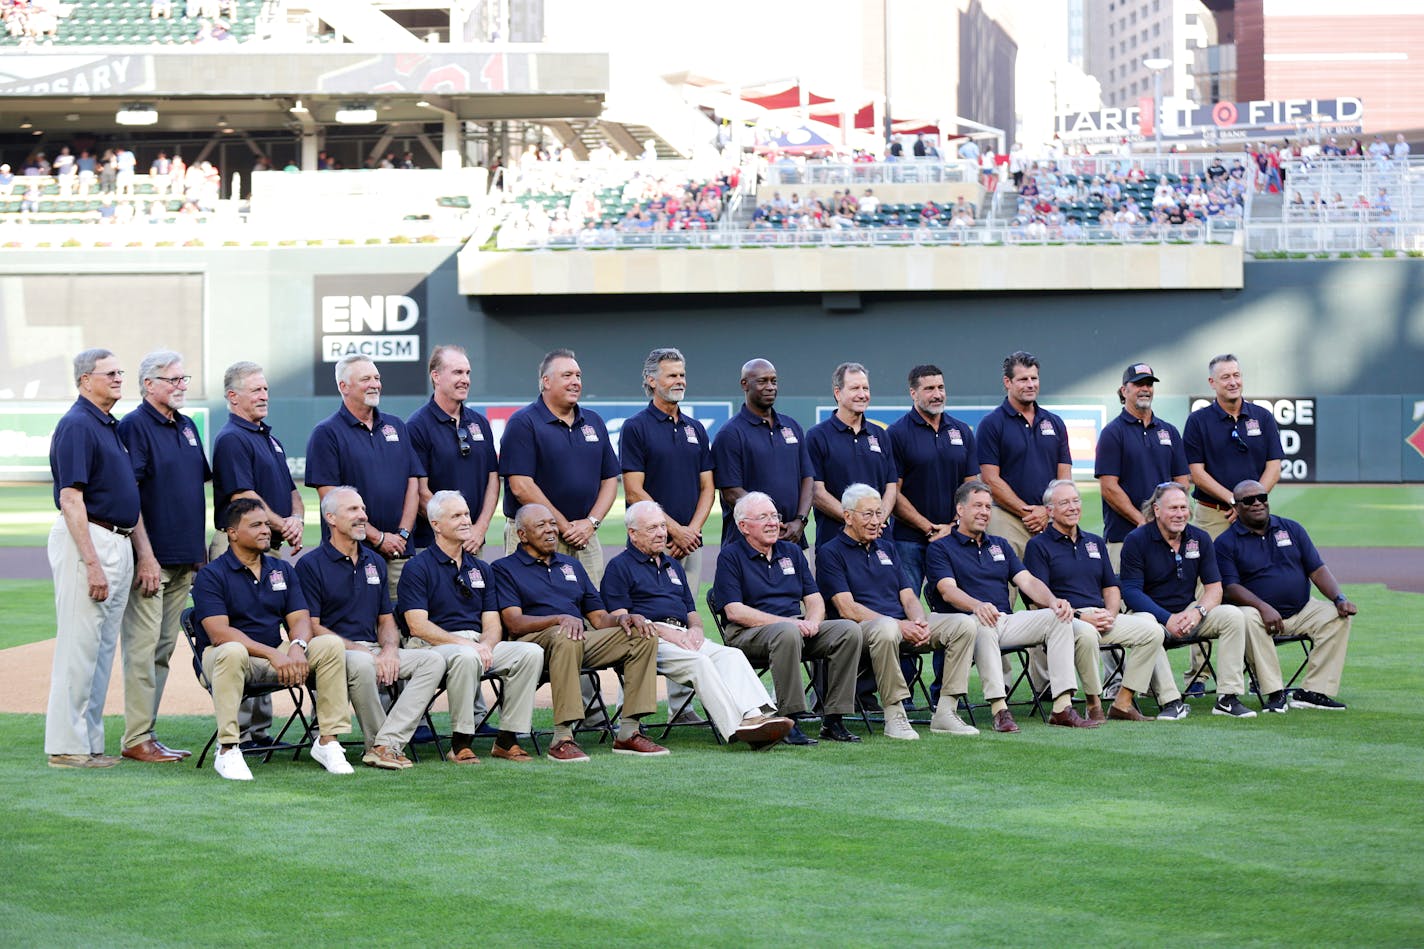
(1282, 539)
(884, 558)
(1091, 547)
(955, 438)
(191, 435)
(278, 580)
(1191, 551)
(275, 446)
(390, 433)
(874, 444)
(996, 552)
(568, 573)
(672, 575)
(373, 576)
(589, 435)
(1046, 428)
(477, 580)
(1164, 436)
(788, 436)
(691, 434)
(787, 567)
(475, 433)
(1253, 427)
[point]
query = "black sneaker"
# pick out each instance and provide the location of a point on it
(1173, 711)
(1196, 690)
(1303, 699)
(1231, 705)
(1275, 702)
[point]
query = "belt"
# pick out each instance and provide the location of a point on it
(1214, 504)
(672, 621)
(121, 531)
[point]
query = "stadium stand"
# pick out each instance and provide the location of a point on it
(127, 22)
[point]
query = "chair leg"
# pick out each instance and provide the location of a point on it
(207, 748)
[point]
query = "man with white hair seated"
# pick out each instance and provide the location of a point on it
(645, 582)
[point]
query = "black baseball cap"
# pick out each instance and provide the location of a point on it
(1138, 372)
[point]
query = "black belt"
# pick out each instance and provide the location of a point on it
(1214, 504)
(121, 531)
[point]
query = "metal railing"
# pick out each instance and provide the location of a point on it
(909, 171)
(1327, 237)
(567, 177)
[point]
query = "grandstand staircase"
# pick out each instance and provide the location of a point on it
(584, 137)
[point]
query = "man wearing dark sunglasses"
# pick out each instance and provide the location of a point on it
(1162, 563)
(1268, 564)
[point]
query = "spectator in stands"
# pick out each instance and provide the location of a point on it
(64, 171)
(7, 179)
(161, 10)
(1379, 149)
(869, 203)
(1401, 147)
(37, 165)
(125, 163)
(30, 203)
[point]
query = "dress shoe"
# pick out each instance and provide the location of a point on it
(462, 756)
(149, 750)
(689, 716)
(172, 751)
(387, 758)
(836, 731)
(82, 761)
(797, 737)
(640, 745)
(566, 751)
(1069, 718)
(512, 753)
(1095, 713)
(768, 731)
(1004, 722)
(1129, 714)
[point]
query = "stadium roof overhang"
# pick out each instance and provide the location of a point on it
(194, 91)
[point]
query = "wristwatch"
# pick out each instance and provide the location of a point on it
(1202, 610)
(799, 517)
(594, 521)
(403, 534)
(298, 642)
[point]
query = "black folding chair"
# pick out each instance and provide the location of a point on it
(1034, 704)
(1305, 644)
(814, 669)
(298, 693)
(428, 734)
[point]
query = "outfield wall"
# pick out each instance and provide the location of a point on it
(1348, 335)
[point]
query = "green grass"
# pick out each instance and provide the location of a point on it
(29, 611)
(1301, 829)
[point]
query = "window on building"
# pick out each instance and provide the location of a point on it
(1156, 29)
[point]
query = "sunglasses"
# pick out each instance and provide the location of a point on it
(1178, 558)
(1251, 499)
(464, 439)
(468, 594)
(1238, 441)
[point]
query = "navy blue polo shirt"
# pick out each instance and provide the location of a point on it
(248, 457)
(171, 468)
(347, 596)
(1075, 570)
(1028, 456)
(1275, 566)
(761, 454)
(671, 453)
(256, 606)
(1232, 449)
(86, 452)
(1150, 583)
(377, 461)
(774, 583)
(868, 572)
(840, 457)
(556, 588)
(652, 586)
(569, 463)
(983, 569)
(452, 595)
(437, 440)
(1140, 457)
(931, 463)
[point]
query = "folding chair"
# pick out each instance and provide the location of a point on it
(1206, 670)
(298, 693)
(1034, 704)
(495, 680)
(1305, 644)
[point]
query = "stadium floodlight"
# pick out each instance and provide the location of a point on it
(136, 115)
(357, 114)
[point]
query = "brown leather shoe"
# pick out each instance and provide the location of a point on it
(1069, 718)
(1129, 714)
(172, 751)
(148, 750)
(566, 751)
(463, 756)
(512, 753)
(83, 761)
(640, 745)
(765, 731)
(1004, 722)
(1095, 713)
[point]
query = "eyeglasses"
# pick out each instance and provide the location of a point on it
(468, 594)
(1238, 441)
(174, 380)
(763, 518)
(464, 439)
(1251, 499)
(111, 374)
(875, 515)
(1178, 558)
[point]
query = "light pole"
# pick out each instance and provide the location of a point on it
(1157, 64)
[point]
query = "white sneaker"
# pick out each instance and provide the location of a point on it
(946, 721)
(897, 723)
(332, 757)
(232, 765)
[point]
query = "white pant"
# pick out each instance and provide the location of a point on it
(723, 678)
(519, 664)
(87, 633)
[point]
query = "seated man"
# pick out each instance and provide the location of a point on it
(345, 587)
(546, 598)
(1075, 565)
(446, 597)
(1267, 565)
(860, 578)
(969, 571)
(774, 615)
(651, 586)
(1162, 562)
(240, 602)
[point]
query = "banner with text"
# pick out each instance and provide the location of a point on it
(381, 316)
(1296, 419)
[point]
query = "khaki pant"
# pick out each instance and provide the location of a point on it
(1214, 522)
(148, 634)
(1329, 634)
(1146, 668)
(780, 646)
(564, 657)
(229, 667)
(254, 716)
(954, 633)
(591, 556)
(1227, 626)
(421, 672)
(1030, 628)
(87, 633)
(1087, 658)
(518, 663)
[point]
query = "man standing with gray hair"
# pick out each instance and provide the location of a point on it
(171, 469)
(370, 451)
(92, 548)
(847, 449)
